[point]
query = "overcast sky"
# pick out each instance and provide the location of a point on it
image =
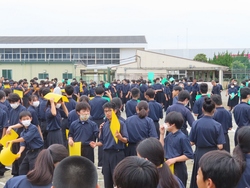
(167, 24)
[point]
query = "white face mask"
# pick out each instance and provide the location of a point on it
(84, 117)
(26, 123)
(14, 106)
(232, 86)
(50, 85)
(46, 85)
(36, 103)
(58, 105)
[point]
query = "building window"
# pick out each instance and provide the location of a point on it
(7, 73)
(67, 75)
(43, 75)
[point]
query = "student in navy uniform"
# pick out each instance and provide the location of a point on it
(85, 90)
(176, 145)
(16, 109)
(41, 112)
(2, 103)
(242, 111)
(216, 88)
(167, 94)
(119, 88)
(41, 175)
(159, 95)
(3, 125)
(242, 153)
(92, 89)
(139, 127)
(73, 114)
(33, 109)
(112, 89)
(218, 169)
(220, 86)
(183, 99)
(143, 88)
(98, 115)
(132, 103)
(125, 91)
(54, 113)
(113, 152)
(71, 105)
(207, 135)
(197, 108)
(152, 150)
(155, 109)
(232, 102)
(83, 130)
(175, 93)
(194, 92)
(31, 139)
(224, 117)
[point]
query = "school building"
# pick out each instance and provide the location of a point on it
(94, 57)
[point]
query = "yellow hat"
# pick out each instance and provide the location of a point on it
(56, 97)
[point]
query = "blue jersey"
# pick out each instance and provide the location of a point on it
(3, 120)
(224, 117)
(197, 108)
(242, 114)
(22, 182)
(14, 114)
(42, 109)
(34, 114)
(177, 144)
(245, 180)
(71, 105)
(131, 107)
(96, 104)
(83, 131)
(139, 129)
(107, 139)
(32, 138)
(155, 110)
(53, 122)
(206, 132)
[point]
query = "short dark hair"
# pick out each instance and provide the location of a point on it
(99, 90)
(117, 101)
(203, 88)
(13, 97)
(183, 95)
(134, 172)
(82, 106)
(223, 169)
(244, 92)
(44, 91)
(75, 172)
(84, 98)
(150, 93)
(135, 92)
(69, 89)
(2, 94)
(208, 105)
(174, 118)
(177, 88)
(216, 99)
(24, 114)
(109, 105)
(7, 91)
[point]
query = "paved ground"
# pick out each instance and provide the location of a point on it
(100, 178)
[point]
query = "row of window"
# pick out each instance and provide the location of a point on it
(8, 74)
(99, 55)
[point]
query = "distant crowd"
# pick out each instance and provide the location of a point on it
(50, 116)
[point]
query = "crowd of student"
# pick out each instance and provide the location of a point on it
(42, 123)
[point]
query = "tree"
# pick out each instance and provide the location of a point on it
(238, 65)
(224, 59)
(201, 57)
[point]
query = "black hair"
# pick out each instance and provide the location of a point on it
(24, 114)
(175, 118)
(216, 99)
(44, 91)
(75, 172)
(183, 95)
(32, 97)
(208, 105)
(13, 97)
(45, 164)
(82, 106)
(203, 88)
(109, 105)
(244, 92)
(152, 150)
(223, 169)
(84, 98)
(99, 90)
(134, 172)
(69, 90)
(150, 93)
(142, 106)
(177, 88)
(118, 104)
(2, 94)
(135, 92)
(7, 91)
